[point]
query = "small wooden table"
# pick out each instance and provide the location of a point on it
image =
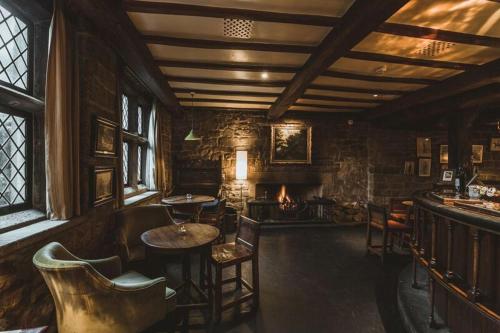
(189, 205)
(197, 238)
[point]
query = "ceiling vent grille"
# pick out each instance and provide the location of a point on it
(237, 28)
(434, 48)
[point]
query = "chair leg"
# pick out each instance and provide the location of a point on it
(368, 238)
(384, 244)
(391, 246)
(218, 293)
(255, 280)
(203, 265)
(238, 276)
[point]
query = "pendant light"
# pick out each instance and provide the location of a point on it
(192, 136)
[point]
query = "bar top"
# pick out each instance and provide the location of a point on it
(483, 219)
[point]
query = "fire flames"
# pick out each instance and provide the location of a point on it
(287, 204)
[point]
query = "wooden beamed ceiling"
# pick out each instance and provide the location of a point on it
(371, 56)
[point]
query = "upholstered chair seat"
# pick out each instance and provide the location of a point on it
(134, 221)
(96, 296)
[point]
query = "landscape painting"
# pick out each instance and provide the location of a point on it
(291, 144)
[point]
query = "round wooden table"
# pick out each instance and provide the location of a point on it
(186, 205)
(197, 238)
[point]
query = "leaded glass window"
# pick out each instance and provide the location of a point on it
(14, 49)
(139, 164)
(125, 163)
(13, 187)
(139, 120)
(125, 112)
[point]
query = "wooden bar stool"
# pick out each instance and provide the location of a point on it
(398, 210)
(245, 248)
(377, 219)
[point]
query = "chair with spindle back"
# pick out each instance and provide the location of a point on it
(244, 248)
(378, 219)
(399, 211)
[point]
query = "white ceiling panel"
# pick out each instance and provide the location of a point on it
(410, 47)
(219, 74)
(321, 102)
(213, 29)
(226, 105)
(478, 17)
(227, 97)
(334, 8)
(166, 52)
(348, 94)
(395, 70)
(366, 84)
(310, 108)
(225, 87)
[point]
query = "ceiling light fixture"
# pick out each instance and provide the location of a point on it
(192, 136)
(375, 95)
(264, 75)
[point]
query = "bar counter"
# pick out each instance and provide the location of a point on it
(460, 249)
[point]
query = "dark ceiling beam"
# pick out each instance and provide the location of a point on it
(228, 66)
(474, 100)
(215, 100)
(360, 19)
(253, 83)
(116, 28)
(225, 92)
(436, 34)
(221, 12)
(377, 78)
(372, 91)
(482, 75)
(226, 45)
(408, 61)
(340, 99)
(337, 107)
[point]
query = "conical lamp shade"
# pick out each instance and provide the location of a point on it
(191, 136)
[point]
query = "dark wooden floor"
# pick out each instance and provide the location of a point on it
(319, 280)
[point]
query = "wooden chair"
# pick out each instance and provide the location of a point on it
(378, 219)
(214, 216)
(245, 248)
(398, 211)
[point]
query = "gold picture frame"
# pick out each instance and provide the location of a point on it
(495, 144)
(103, 185)
(443, 154)
(105, 137)
(424, 167)
(291, 144)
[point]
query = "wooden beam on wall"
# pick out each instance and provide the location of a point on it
(226, 45)
(360, 19)
(482, 75)
(228, 66)
(221, 12)
(408, 61)
(116, 28)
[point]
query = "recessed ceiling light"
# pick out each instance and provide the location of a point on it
(264, 75)
(375, 95)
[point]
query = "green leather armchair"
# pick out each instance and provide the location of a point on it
(132, 222)
(95, 296)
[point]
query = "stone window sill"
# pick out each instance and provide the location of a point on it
(137, 199)
(20, 219)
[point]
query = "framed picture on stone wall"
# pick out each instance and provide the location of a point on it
(424, 167)
(105, 137)
(102, 186)
(291, 144)
(477, 154)
(443, 154)
(495, 144)
(424, 147)
(409, 168)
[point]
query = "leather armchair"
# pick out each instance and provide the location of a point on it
(95, 296)
(132, 222)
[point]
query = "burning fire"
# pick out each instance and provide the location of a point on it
(286, 203)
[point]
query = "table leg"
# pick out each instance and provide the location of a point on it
(209, 283)
(197, 212)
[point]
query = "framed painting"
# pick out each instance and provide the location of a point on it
(103, 189)
(443, 154)
(291, 144)
(424, 147)
(409, 169)
(447, 176)
(495, 144)
(105, 137)
(424, 167)
(477, 154)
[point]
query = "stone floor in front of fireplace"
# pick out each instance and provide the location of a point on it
(316, 280)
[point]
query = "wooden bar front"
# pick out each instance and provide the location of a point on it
(461, 251)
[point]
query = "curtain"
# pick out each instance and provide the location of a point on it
(150, 180)
(161, 175)
(61, 123)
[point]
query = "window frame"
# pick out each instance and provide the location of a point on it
(31, 49)
(137, 97)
